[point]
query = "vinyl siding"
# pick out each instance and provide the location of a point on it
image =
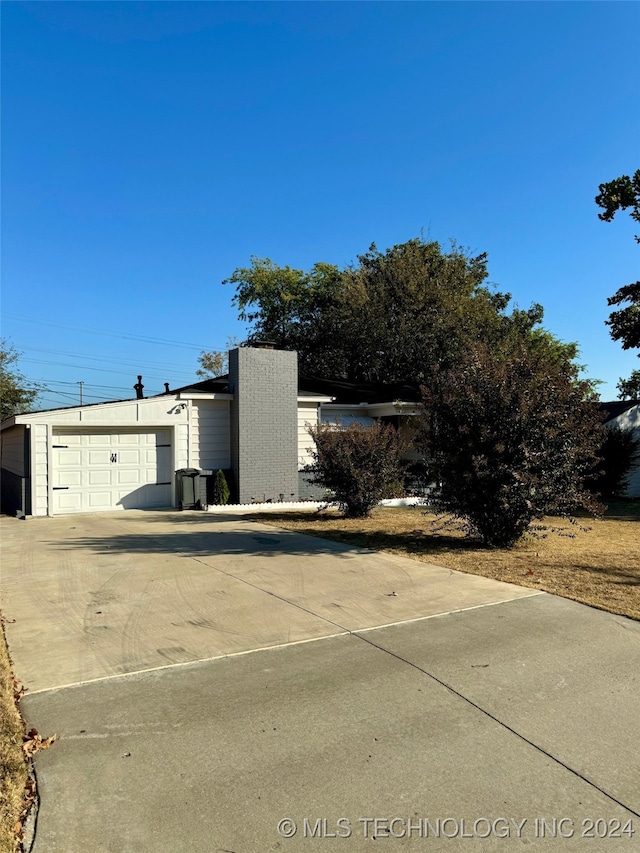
(210, 434)
(630, 420)
(39, 468)
(307, 416)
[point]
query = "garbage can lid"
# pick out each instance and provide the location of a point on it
(188, 472)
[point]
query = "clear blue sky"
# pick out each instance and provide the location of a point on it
(150, 148)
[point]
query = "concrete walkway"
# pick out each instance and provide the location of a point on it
(130, 632)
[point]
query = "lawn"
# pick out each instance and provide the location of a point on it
(13, 762)
(596, 562)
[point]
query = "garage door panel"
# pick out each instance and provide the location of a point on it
(71, 458)
(131, 438)
(99, 500)
(99, 478)
(69, 478)
(68, 501)
(99, 457)
(130, 457)
(103, 470)
(128, 477)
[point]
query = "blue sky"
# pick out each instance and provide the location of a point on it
(150, 148)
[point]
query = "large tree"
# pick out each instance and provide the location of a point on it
(624, 323)
(391, 317)
(17, 394)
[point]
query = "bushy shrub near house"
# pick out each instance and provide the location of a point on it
(220, 489)
(359, 464)
(512, 437)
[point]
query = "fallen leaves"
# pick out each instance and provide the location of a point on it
(33, 742)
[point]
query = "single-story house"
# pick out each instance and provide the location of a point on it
(625, 414)
(252, 424)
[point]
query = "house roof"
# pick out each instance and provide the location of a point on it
(217, 385)
(615, 408)
(360, 392)
(341, 390)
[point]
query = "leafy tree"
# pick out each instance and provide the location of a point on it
(629, 389)
(212, 363)
(512, 438)
(17, 394)
(391, 317)
(359, 464)
(620, 194)
(215, 363)
(624, 324)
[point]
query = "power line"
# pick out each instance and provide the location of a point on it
(159, 376)
(135, 363)
(142, 338)
(88, 384)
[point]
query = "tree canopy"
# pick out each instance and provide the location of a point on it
(624, 323)
(17, 394)
(393, 316)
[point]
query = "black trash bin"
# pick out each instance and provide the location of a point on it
(191, 491)
(187, 488)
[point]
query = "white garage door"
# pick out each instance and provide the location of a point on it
(98, 470)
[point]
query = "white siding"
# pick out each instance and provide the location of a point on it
(630, 420)
(39, 469)
(346, 415)
(307, 416)
(13, 450)
(210, 434)
(181, 447)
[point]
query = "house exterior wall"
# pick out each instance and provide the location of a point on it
(307, 416)
(40, 468)
(12, 450)
(630, 420)
(264, 423)
(125, 415)
(209, 433)
(345, 415)
(15, 473)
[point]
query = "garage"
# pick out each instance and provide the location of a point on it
(98, 470)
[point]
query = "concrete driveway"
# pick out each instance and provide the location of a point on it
(459, 712)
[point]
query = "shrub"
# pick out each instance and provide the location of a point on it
(220, 489)
(512, 438)
(358, 464)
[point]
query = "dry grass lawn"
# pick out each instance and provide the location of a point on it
(599, 565)
(13, 762)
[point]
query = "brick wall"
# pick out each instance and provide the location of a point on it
(263, 421)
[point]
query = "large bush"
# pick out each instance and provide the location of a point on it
(358, 464)
(512, 438)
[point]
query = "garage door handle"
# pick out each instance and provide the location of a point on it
(59, 488)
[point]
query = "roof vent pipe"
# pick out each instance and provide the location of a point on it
(166, 387)
(138, 388)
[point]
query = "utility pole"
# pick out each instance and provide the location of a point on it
(80, 384)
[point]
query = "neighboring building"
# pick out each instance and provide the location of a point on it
(123, 454)
(625, 414)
